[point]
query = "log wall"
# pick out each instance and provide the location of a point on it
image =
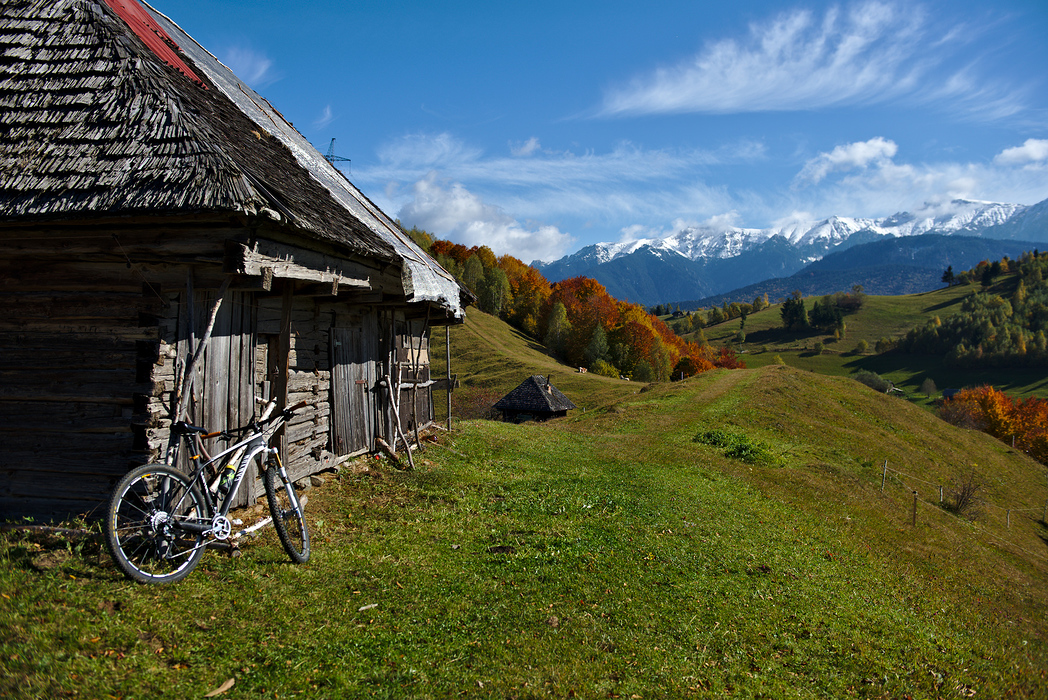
(97, 330)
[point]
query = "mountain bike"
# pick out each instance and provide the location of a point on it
(160, 519)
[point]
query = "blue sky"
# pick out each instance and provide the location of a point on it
(538, 128)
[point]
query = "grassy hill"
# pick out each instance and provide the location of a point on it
(608, 554)
(491, 358)
(880, 317)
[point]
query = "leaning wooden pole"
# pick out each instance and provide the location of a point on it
(187, 383)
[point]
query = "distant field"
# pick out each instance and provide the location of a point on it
(880, 317)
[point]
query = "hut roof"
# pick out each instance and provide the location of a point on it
(535, 393)
(108, 108)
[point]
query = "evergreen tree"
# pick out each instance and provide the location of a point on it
(794, 315)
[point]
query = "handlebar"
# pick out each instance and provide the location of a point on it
(185, 428)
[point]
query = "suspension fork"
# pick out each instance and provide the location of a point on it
(273, 458)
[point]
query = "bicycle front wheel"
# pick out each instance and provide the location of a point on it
(288, 516)
(154, 524)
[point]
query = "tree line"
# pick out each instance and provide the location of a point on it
(576, 319)
(995, 327)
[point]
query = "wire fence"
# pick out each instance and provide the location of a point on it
(1033, 513)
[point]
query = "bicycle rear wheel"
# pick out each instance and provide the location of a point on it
(145, 524)
(288, 516)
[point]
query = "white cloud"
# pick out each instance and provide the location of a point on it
(1032, 151)
(525, 149)
(254, 68)
(853, 156)
(325, 118)
(450, 210)
(869, 53)
(727, 220)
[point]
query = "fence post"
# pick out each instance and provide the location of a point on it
(915, 509)
(884, 474)
(1009, 518)
(940, 495)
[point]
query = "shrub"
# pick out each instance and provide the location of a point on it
(604, 369)
(962, 495)
(862, 347)
(885, 345)
(737, 446)
(872, 380)
(817, 348)
(778, 360)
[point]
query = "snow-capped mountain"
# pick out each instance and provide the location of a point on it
(731, 257)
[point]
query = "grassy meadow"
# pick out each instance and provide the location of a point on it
(880, 317)
(608, 554)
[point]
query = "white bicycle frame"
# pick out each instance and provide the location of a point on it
(251, 446)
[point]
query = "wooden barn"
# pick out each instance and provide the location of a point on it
(534, 399)
(147, 194)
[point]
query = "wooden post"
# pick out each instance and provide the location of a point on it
(447, 367)
(884, 474)
(1009, 518)
(915, 509)
(940, 495)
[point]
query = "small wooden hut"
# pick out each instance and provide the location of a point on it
(534, 399)
(147, 194)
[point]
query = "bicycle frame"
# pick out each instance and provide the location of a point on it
(161, 517)
(254, 444)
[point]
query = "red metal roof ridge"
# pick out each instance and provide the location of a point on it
(154, 36)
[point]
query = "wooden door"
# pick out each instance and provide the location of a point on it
(353, 352)
(224, 390)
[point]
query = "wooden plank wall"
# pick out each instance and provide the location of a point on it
(91, 338)
(77, 336)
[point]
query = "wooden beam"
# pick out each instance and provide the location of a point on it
(267, 259)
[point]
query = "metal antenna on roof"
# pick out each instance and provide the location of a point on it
(331, 157)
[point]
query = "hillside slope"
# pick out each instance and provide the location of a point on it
(608, 554)
(880, 317)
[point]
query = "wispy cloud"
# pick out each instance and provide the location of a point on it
(864, 54)
(439, 183)
(414, 156)
(251, 66)
(525, 149)
(326, 117)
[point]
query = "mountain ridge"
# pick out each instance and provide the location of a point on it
(711, 261)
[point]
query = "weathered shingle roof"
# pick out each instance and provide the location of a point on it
(94, 122)
(535, 393)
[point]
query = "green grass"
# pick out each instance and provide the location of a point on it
(608, 554)
(880, 317)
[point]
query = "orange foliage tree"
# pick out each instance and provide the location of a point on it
(1022, 421)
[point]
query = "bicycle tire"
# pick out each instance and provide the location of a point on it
(141, 527)
(288, 518)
